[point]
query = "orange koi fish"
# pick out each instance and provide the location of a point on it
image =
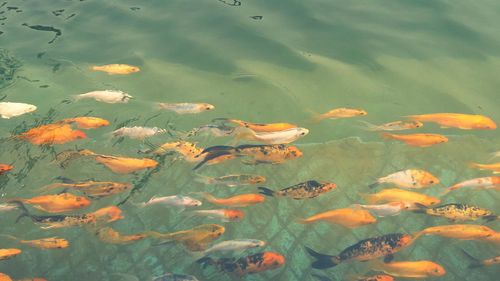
(399, 195)
(125, 165)
(195, 239)
(52, 134)
(346, 217)
(241, 200)
(410, 269)
(420, 140)
(109, 235)
(459, 231)
(225, 215)
(256, 127)
(87, 122)
(5, 168)
(116, 68)
(63, 202)
(246, 265)
(338, 113)
(456, 120)
(5, 277)
(6, 254)
(495, 167)
(44, 243)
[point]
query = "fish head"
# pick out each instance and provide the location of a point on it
(429, 179)
(149, 163)
(133, 69)
(126, 97)
(361, 112)
(294, 152)
(113, 213)
(207, 106)
(5, 168)
(257, 179)
(434, 269)
(234, 214)
(82, 202)
(272, 260)
(484, 123)
(193, 202)
(405, 240)
(30, 108)
(328, 186)
(213, 230)
(431, 201)
(441, 139)
(302, 132)
(79, 134)
(258, 197)
(416, 124)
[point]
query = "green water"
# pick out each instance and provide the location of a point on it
(391, 58)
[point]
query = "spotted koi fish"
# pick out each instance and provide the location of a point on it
(303, 190)
(246, 265)
(458, 212)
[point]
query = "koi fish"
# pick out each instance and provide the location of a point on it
(420, 140)
(394, 126)
(246, 265)
(408, 179)
(14, 109)
(4, 168)
(458, 212)
(342, 112)
(273, 154)
(364, 250)
(495, 167)
(58, 203)
(116, 68)
(107, 96)
(186, 108)
(52, 134)
(6, 254)
(125, 165)
(459, 231)
(195, 239)
(242, 200)
(234, 246)
(388, 209)
(232, 180)
(44, 243)
(214, 130)
(174, 200)
(8, 207)
(225, 215)
(87, 122)
(486, 183)
(256, 127)
(92, 189)
(175, 277)
(456, 120)
(188, 150)
(410, 269)
(111, 236)
(346, 217)
(479, 263)
(5, 277)
(137, 132)
(303, 190)
(279, 137)
(397, 195)
(65, 157)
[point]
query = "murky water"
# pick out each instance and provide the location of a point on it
(261, 61)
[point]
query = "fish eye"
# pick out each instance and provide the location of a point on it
(431, 181)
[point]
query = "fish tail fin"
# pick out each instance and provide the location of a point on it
(25, 212)
(373, 185)
(491, 218)
(370, 198)
(266, 191)
(474, 261)
(205, 261)
(204, 179)
(369, 126)
(322, 261)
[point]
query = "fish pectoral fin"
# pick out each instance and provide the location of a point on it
(388, 258)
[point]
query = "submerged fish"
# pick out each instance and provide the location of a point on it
(5, 207)
(420, 140)
(195, 239)
(232, 180)
(174, 200)
(398, 195)
(259, 127)
(480, 263)
(486, 183)
(408, 179)
(4, 168)
(87, 122)
(246, 265)
(52, 134)
(410, 269)
(346, 217)
(188, 150)
(137, 132)
(93, 189)
(458, 212)
(371, 248)
(303, 190)
(107, 96)
(58, 203)
(175, 277)
(394, 126)
(214, 130)
(495, 167)
(340, 113)
(186, 108)
(456, 120)
(109, 235)
(279, 137)
(241, 200)
(6, 254)
(65, 157)
(44, 243)
(234, 246)
(388, 209)
(125, 165)
(225, 215)
(459, 231)
(14, 109)
(116, 68)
